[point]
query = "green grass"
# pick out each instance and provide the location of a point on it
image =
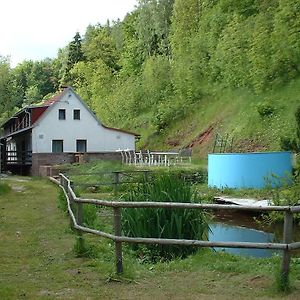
(4, 188)
(38, 260)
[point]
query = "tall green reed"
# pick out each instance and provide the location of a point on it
(162, 222)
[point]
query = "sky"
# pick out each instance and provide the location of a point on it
(36, 29)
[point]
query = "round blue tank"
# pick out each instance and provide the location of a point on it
(249, 170)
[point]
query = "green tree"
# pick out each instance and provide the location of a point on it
(99, 44)
(231, 55)
(286, 40)
(132, 57)
(185, 71)
(261, 52)
(153, 26)
(75, 54)
(6, 92)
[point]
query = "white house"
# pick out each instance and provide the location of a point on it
(62, 124)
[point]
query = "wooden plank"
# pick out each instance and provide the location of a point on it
(294, 246)
(198, 243)
(243, 201)
(154, 204)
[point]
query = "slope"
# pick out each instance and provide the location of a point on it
(254, 122)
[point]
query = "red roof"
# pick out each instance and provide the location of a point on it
(52, 100)
(36, 112)
(121, 130)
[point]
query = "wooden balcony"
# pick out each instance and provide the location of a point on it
(18, 158)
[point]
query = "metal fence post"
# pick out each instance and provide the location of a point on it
(118, 245)
(287, 238)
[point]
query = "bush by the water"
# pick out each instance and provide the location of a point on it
(161, 222)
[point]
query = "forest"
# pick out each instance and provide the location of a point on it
(170, 58)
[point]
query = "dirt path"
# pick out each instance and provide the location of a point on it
(37, 262)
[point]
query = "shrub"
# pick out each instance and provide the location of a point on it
(161, 222)
(4, 188)
(82, 249)
(292, 143)
(265, 109)
(89, 215)
(62, 201)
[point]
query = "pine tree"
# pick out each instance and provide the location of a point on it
(75, 55)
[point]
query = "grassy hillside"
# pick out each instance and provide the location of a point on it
(255, 122)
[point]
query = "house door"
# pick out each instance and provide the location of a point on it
(81, 146)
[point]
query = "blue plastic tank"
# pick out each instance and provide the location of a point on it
(249, 170)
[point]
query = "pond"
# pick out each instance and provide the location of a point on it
(226, 233)
(241, 227)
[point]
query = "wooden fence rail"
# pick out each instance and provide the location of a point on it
(286, 246)
(119, 178)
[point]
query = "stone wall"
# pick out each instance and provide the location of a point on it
(90, 156)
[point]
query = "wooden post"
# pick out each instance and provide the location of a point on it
(61, 180)
(79, 220)
(68, 191)
(71, 199)
(146, 175)
(287, 238)
(117, 182)
(79, 213)
(118, 245)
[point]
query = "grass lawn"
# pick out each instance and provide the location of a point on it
(37, 260)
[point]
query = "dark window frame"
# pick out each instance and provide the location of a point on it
(61, 114)
(55, 146)
(76, 114)
(84, 145)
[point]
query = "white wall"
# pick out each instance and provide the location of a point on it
(49, 128)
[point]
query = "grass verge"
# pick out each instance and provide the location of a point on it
(38, 261)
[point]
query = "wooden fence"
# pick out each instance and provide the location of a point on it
(118, 178)
(286, 246)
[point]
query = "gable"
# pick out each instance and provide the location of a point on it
(70, 101)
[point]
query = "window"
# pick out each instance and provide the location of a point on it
(80, 145)
(76, 114)
(61, 114)
(57, 146)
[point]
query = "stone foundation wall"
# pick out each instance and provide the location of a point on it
(90, 156)
(42, 161)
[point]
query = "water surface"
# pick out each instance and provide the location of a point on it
(221, 232)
